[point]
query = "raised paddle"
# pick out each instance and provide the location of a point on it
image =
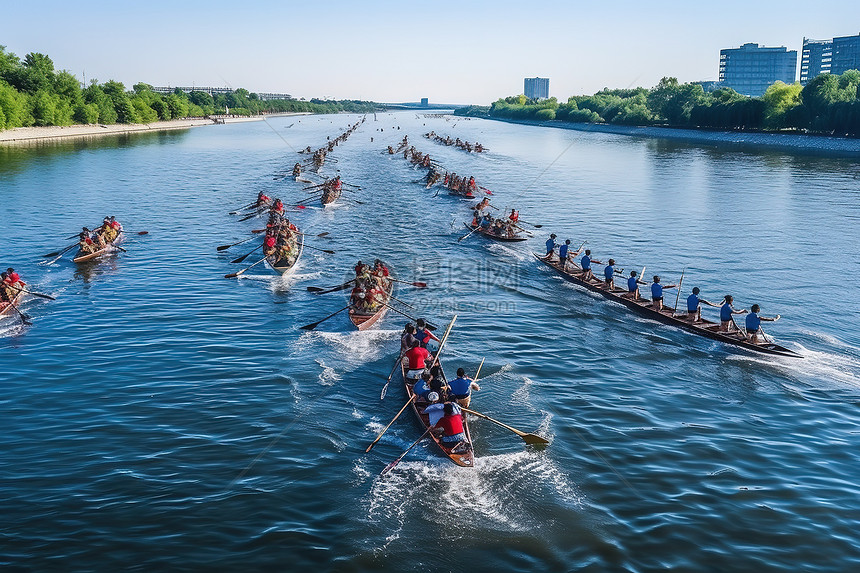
(444, 340)
(313, 325)
(236, 274)
(224, 247)
(32, 293)
(469, 233)
(531, 439)
(245, 256)
(390, 466)
(385, 429)
(318, 290)
(677, 298)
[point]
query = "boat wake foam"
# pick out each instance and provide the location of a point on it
(818, 369)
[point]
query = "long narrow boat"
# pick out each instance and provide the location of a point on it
(462, 453)
(703, 327)
(495, 237)
(329, 196)
(109, 248)
(281, 266)
(6, 308)
(361, 320)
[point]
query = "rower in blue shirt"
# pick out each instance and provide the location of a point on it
(461, 388)
(727, 323)
(657, 293)
(550, 247)
(694, 308)
(753, 323)
(585, 263)
(562, 254)
(633, 286)
(609, 275)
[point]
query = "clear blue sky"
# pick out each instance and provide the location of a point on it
(451, 52)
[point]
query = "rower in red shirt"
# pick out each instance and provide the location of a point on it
(451, 425)
(514, 216)
(417, 357)
(12, 277)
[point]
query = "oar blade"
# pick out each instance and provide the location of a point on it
(534, 440)
(390, 467)
(240, 259)
(315, 289)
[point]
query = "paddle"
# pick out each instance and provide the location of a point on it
(393, 368)
(444, 340)
(390, 466)
(385, 429)
(677, 298)
(318, 249)
(24, 317)
(55, 253)
(57, 258)
(415, 284)
(32, 293)
(248, 206)
(318, 290)
(245, 256)
(531, 439)
(236, 274)
(469, 233)
(224, 247)
(532, 224)
(406, 304)
(313, 325)
(427, 324)
(478, 373)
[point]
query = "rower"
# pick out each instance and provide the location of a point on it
(451, 426)
(550, 247)
(5, 292)
(485, 202)
(407, 338)
(515, 217)
(461, 388)
(417, 358)
(360, 268)
(297, 169)
(633, 286)
(727, 323)
(562, 253)
(86, 243)
(423, 335)
(694, 308)
(435, 410)
(263, 199)
(585, 263)
(753, 323)
(609, 275)
(12, 278)
(657, 293)
(422, 387)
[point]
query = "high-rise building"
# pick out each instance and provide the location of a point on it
(815, 58)
(834, 56)
(846, 54)
(536, 88)
(751, 69)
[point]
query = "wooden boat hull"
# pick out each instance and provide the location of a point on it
(6, 308)
(79, 258)
(667, 315)
(329, 197)
(464, 458)
(286, 270)
(363, 321)
(515, 239)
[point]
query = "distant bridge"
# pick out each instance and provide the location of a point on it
(217, 91)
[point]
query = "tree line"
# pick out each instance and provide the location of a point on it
(32, 92)
(830, 103)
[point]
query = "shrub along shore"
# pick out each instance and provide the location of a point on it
(829, 104)
(33, 93)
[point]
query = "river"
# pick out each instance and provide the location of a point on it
(159, 416)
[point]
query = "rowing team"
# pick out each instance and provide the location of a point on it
(281, 242)
(371, 287)
(502, 227)
(416, 157)
(100, 237)
(694, 302)
(443, 398)
(465, 145)
(10, 285)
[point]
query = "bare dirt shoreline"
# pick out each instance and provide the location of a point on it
(33, 134)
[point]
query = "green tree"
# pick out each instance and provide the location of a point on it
(14, 106)
(673, 101)
(779, 98)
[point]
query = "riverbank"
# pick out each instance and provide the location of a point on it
(21, 135)
(802, 142)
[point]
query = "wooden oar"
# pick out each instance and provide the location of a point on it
(252, 215)
(478, 373)
(444, 340)
(318, 249)
(224, 247)
(385, 429)
(318, 290)
(406, 304)
(387, 382)
(248, 206)
(245, 256)
(59, 256)
(55, 253)
(25, 318)
(313, 325)
(32, 293)
(236, 274)
(415, 284)
(531, 439)
(532, 224)
(390, 466)
(677, 298)
(469, 233)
